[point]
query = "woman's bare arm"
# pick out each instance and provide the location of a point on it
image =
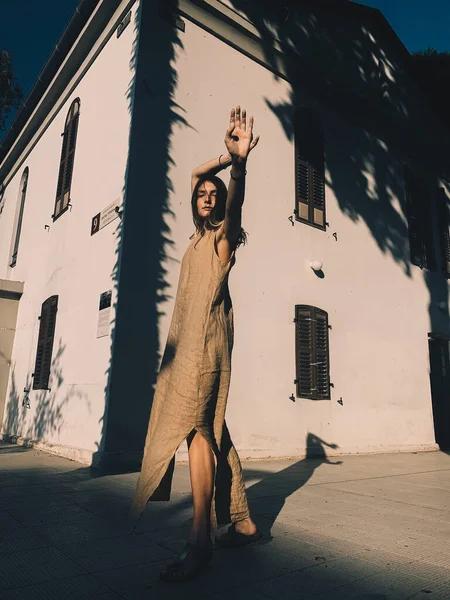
(235, 200)
(239, 142)
(212, 167)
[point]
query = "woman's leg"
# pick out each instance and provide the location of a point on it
(201, 468)
(240, 515)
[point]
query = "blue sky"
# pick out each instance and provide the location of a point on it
(418, 23)
(30, 29)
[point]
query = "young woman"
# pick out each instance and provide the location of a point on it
(192, 387)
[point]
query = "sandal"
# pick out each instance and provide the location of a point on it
(177, 572)
(234, 539)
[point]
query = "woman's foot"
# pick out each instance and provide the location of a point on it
(246, 527)
(239, 534)
(192, 561)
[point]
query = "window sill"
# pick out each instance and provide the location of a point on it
(56, 217)
(313, 398)
(305, 222)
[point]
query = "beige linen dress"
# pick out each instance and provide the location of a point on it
(192, 386)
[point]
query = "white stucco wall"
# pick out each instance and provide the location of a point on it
(66, 260)
(377, 302)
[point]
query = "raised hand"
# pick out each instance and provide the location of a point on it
(239, 137)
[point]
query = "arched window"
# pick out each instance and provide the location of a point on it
(67, 159)
(20, 207)
(309, 169)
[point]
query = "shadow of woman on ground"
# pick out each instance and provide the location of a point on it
(268, 496)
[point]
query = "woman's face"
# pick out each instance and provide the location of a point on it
(206, 198)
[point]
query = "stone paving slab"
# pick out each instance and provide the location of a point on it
(373, 527)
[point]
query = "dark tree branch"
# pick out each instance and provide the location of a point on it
(10, 92)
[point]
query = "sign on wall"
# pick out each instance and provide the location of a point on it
(106, 216)
(104, 314)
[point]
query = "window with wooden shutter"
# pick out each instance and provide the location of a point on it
(312, 353)
(2, 197)
(46, 336)
(309, 169)
(67, 159)
(420, 225)
(444, 234)
(22, 195)
(383, 79)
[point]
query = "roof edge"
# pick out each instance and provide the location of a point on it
(68, 37)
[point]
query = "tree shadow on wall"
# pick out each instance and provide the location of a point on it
(331, 57)
(38, 415)
(342, 61)
(144, 244)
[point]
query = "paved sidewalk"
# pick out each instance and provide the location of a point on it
(373, 527)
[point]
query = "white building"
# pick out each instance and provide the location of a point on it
(348, 177)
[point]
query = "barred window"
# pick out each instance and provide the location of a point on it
(309, 169)
(67, 159)
(312, 353)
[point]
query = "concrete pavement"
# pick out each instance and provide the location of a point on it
(374, 527)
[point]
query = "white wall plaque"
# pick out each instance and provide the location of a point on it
(104, 314)
(106, 216)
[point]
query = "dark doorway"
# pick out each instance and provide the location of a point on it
(440, 387)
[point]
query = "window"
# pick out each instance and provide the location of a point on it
(309, 169)
(312, 353)
(21, 204)
(2, 197)
(67, 159)
(46, 335)
(444, 234)
(439, 349)
(382, 78)
(420, 228)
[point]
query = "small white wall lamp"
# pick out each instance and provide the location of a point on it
(316, 265)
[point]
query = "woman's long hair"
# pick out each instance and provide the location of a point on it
(217, 215)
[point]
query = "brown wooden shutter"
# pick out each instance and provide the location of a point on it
(444, 234)
(383, 79)
(67, 158)
(302, 188)
(321, 359)
(312, 353)
(414, 223)
(427, 228)
(45, 343)
(304, 351)
(309, 169)
(420, 225)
